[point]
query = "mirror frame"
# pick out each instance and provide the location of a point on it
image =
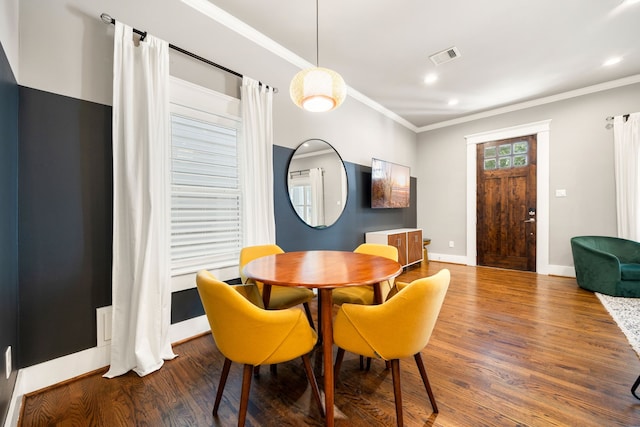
(344, 183)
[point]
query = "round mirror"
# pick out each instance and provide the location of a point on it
(317, 182)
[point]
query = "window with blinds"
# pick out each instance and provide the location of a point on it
(205, 196)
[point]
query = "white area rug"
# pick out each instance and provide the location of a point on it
(626, 313)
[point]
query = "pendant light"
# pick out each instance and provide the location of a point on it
(317, 89)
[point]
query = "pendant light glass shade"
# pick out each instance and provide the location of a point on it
(317, 89)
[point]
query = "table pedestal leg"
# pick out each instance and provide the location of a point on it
(327, 353)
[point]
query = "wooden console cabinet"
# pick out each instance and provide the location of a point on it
(407, 240)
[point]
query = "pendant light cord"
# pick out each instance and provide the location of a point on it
(317, 37)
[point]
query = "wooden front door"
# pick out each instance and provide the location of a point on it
(506, 203)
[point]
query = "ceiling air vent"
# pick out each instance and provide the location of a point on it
(445, 56)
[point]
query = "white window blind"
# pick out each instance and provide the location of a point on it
(205, 196)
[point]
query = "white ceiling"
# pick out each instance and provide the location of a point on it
(512, 51)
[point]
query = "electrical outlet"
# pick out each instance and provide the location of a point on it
(103, 323)
(7, 362)
(451, 243)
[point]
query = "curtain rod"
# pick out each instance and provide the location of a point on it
(624, 116)
(107, 19)
(609, 120)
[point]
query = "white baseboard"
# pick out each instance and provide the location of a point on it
(552, 270)
(454, 259)
(561, 270)
(14, 406)
(63, 368)
(189, 328)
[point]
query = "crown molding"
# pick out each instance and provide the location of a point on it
(536, 102)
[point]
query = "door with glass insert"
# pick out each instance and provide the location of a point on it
(506, 203)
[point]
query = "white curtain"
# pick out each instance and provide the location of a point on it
(626, 135)
(141, 137)
(317, 197)
(256, 163)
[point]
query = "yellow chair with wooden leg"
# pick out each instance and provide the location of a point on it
(245, 333)
(280, 297)
(398, 328)
(366, 294)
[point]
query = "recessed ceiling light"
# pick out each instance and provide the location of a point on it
(430, 78)
(630, 2)
(612, 61)
(453, 102)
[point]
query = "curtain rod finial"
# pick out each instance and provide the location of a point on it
(107, 19)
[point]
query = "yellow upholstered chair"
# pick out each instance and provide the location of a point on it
(400, 327)
(364, 294)
(248, 334)
(280, 296)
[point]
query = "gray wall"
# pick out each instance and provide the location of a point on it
(78, 59)
(581, 161)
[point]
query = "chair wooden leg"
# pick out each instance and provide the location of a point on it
(362, 368)
(223, 381)
(319, 322)
(273, 369)
(244, 395)
(397, 393)
(425, 380)
(634, 387)
(307, 311)
(312, 381)
(338, 363)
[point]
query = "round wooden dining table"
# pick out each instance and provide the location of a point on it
(325, 271)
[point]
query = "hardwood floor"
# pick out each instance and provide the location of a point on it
(509, 349)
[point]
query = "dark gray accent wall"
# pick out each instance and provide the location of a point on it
(292, 234)
(65, 218)
(8, 229)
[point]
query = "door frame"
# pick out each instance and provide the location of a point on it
(541, 130)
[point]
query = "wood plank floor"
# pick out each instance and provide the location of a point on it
(509, 349)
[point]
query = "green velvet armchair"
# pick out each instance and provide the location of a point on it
(608, 265)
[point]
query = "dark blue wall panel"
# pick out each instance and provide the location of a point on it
(65, 217)
(292, 234)
(8, 228)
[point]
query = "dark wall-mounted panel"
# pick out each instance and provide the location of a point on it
(348, 232)
(65, 217)
(8, 229)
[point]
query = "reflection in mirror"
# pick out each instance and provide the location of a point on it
(317, 182)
